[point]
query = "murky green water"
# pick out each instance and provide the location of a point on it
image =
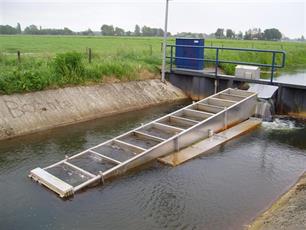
(221, 191)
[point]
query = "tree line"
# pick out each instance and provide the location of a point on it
(110, 30)
(106, 30)
(251, 34)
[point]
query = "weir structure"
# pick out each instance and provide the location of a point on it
(290, 99)
(221, 114)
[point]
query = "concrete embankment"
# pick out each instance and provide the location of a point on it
(288, 212)
(31, 112)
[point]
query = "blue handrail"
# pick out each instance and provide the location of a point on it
(217, 61)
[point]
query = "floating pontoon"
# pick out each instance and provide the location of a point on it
(154, 140)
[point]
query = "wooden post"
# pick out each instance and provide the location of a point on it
(89, 55)
(18, 56)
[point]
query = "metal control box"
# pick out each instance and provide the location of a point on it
(248, 72)
(187, 50)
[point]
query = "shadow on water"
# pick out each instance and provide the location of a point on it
(223, 190)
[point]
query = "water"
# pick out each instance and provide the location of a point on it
(297, 77)
(223, 190)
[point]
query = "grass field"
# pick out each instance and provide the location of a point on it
(44, 63)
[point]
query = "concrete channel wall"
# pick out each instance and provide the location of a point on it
(27, 113)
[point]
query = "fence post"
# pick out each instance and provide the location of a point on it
(18, 56)
(89, 55)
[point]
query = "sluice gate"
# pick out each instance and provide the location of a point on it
(155, 140)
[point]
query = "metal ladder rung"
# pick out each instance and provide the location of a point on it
(131, 147)
(79, 169)
(105, 157)
(234, 95)
(199, 112)
(222, 100)
(167, 128)
(212, 106)
(170, 126)
(228, 97)
(183, 119)
(149, 136)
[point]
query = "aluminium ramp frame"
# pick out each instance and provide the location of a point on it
(158, 138)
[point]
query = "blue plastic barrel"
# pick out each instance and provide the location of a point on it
(189, 52)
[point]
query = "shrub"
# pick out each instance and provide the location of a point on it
(70, 66)
(21, 80)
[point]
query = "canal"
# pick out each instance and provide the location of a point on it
(223, 190)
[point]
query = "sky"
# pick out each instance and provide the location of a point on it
(202, 16)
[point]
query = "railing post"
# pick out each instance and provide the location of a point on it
(171, 59)
(284, 60)
(217, 62)
(272, 70)
(216, 70)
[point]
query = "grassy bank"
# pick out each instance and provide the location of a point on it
(113, 59)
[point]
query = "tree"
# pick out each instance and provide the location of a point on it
(119, 32)
(107, 30)
(128, 33)
(32, 29)
(219, 33)
(302, 38)
(87, 32)
(272, 34)
(18, 28)
(6, 29)
(66, 31)
(137, 30)
(230, 34)
(248, 35)
(146, 31)
(240, 35)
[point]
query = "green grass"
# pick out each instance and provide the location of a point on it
(43, 62)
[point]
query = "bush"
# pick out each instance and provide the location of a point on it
(69, 67)
(24, 80)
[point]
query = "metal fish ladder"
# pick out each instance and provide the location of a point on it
(153, 140)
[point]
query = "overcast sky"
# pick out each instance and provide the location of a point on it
(203, 16)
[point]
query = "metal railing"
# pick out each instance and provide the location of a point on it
(217, 60)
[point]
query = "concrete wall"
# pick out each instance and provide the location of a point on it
(290, 99)
(27, 113)
(198, 87)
